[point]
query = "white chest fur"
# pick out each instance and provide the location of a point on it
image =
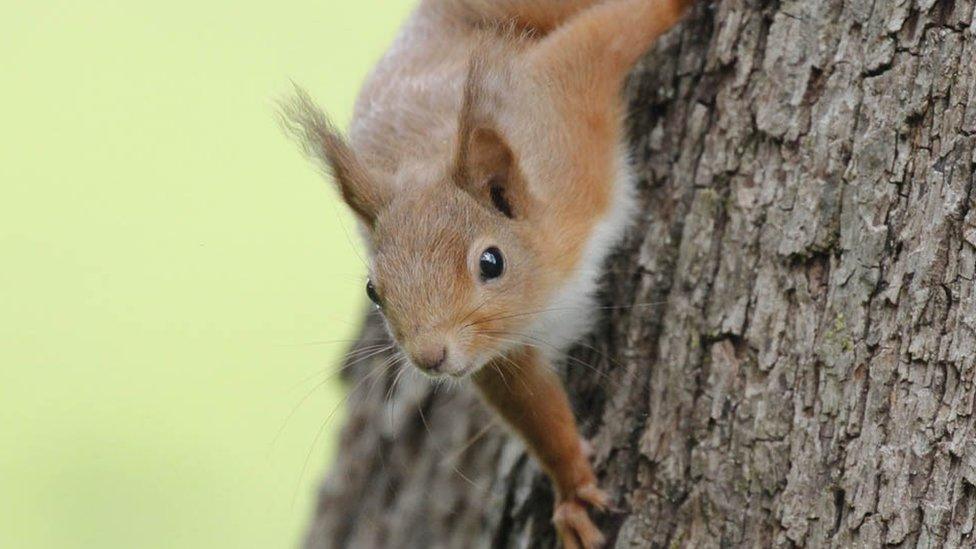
(572, 313)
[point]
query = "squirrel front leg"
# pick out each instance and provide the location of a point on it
(525, 391)
(591, 55)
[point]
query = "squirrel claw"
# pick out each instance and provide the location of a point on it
(594, 496)
(575, 529)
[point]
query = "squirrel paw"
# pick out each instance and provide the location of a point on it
(594, 496)
(573, 524)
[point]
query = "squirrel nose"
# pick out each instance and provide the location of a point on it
(430, 359)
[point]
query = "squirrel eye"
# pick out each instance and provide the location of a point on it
(371, 292)
(492, 264)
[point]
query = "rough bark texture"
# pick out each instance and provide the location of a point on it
(789, 349)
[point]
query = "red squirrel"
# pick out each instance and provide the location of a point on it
(487, 166)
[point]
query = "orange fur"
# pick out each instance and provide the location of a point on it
(537, 15)
(530, 397)
(496, 123)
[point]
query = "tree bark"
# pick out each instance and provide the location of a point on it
(789, 345)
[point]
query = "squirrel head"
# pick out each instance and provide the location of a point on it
(457, 260)
(452, 275)
(469, 250)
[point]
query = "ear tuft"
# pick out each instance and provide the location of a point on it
(321, 141)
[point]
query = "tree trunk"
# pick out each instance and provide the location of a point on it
(789, 345)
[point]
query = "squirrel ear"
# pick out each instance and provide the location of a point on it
(485, 166)
(487, 170)
(321, 141)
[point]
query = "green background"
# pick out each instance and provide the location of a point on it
(174, 277)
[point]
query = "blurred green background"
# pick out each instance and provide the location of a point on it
(174, 277)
